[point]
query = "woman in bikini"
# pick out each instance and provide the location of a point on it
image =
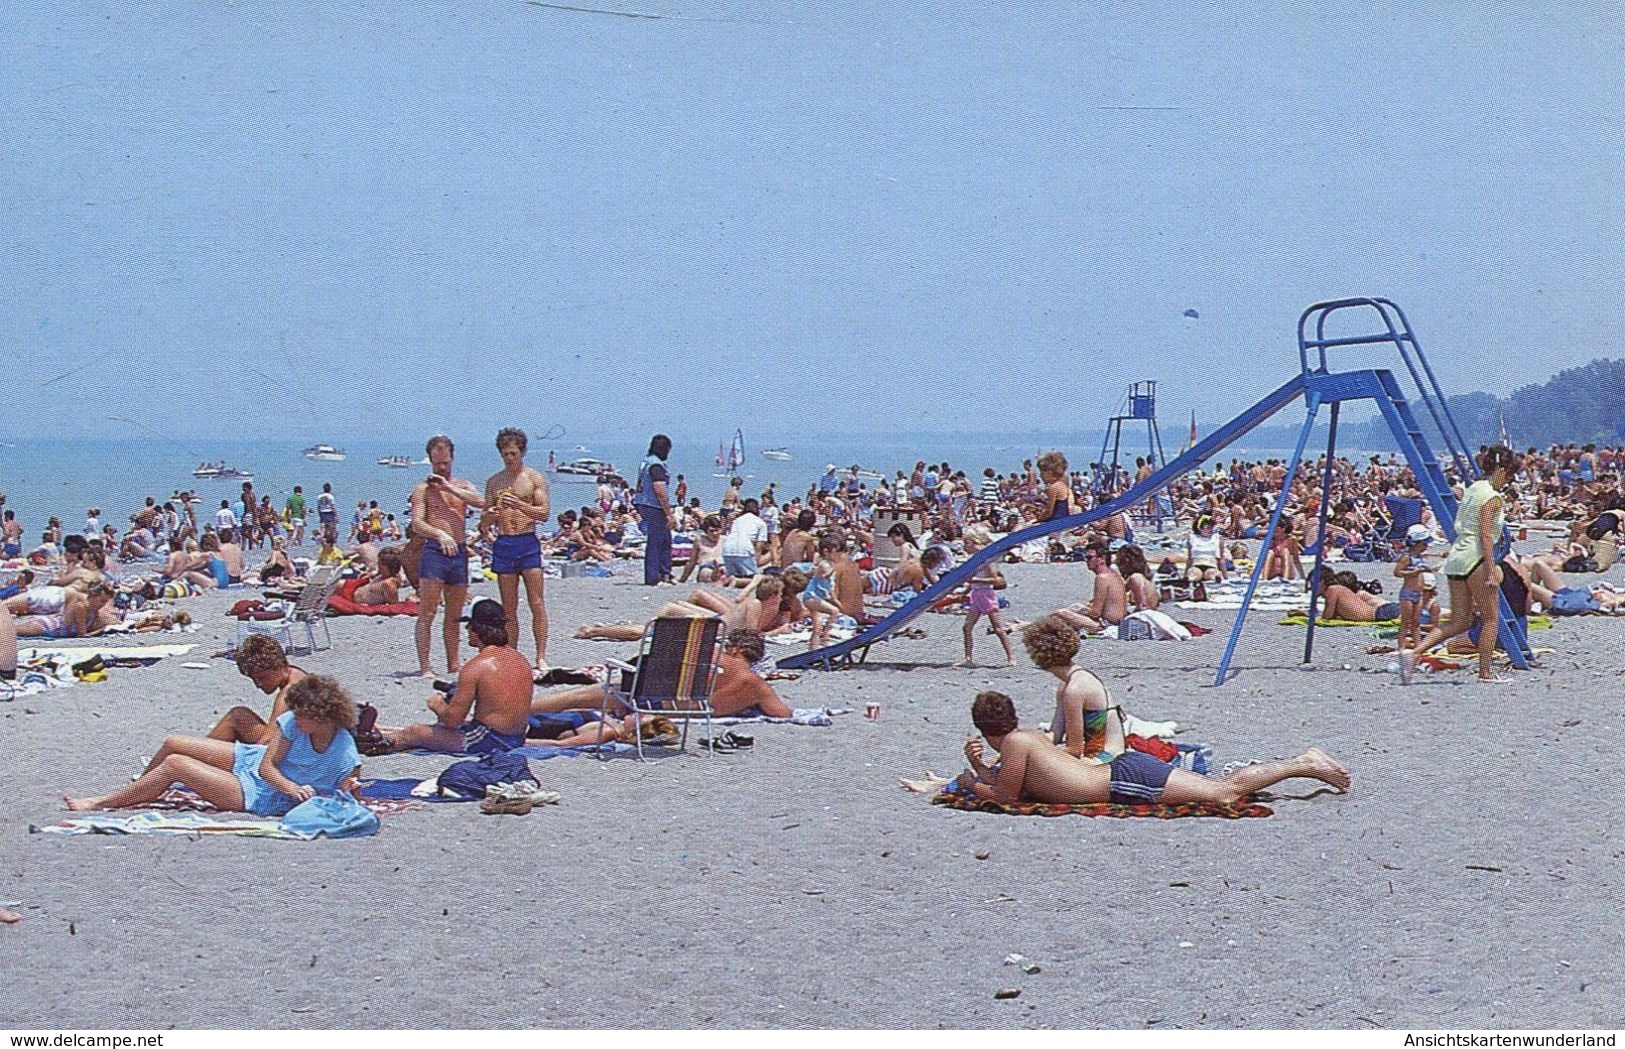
(1086, 722)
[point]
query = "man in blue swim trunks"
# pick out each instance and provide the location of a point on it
(490, 711)
(1031, 768)
(440, 517)
(515, 503)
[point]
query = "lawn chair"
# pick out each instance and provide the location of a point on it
(674, 674)
(1403, 512)
(307, 610)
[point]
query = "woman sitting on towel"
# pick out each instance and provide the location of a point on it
(310, 752)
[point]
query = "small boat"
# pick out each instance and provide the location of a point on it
(781, 455)
(581, 448)
(231, 473)
(325, 453)
(586, 469)
(208, 469)
(398, 462)
(730, 461)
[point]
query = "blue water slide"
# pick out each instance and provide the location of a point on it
(842, 653)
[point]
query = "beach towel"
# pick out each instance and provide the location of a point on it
(1239, 810)
(817, 716)
(169, 824)
(535, 753)
(1535, 622)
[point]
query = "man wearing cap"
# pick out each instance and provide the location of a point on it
(490, 709)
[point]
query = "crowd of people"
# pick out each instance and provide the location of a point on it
(807, 565)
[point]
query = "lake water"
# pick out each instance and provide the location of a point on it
(44, 478)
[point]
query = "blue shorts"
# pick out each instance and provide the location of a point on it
(452, 571)
(12, 550)
(259, 797)
(1407, 594)
(1387, 610)
(1138, 778)
(480, 738)
(512, 554)
(739, 566)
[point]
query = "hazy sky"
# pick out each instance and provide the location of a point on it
(834, 216)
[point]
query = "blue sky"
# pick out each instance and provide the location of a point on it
(842, 217)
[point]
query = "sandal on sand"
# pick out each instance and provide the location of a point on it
(719, 745)
(739, 740)
(507, 806)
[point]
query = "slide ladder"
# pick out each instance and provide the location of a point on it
(1322, 386)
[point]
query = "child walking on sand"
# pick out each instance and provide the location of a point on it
(984, 601)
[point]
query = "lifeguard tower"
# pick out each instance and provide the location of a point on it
(1142, 407)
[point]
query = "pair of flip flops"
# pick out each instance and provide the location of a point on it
(729, 741)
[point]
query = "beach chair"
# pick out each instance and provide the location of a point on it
(307, 610)
(675, 671)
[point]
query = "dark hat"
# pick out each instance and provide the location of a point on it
(486, 611)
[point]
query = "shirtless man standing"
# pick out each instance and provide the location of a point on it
(1031, 768)
(439, 514)
(516, 501)
(490, 710)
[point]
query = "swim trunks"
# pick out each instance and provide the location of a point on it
(52, 626)
(1387, 610)
(12, 550)
(452, 571)
(1138, 778)
(739, 566)
(480, 738)
(512, 554)
(1407, 594)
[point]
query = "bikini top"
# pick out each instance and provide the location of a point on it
(1094, 721)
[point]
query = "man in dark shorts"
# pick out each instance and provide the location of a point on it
(515, 503)
(440, 517)
(490, 710)
(1031, 768)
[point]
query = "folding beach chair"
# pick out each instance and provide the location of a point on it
(675, 671)
(1402, 513)
(307, 610)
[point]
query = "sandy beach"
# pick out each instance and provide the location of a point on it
(1470, 879)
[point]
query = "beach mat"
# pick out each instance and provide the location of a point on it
(1240, 810)
(170, 824)
(816, 716)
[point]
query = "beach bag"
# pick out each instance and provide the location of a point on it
(1606, 522)
(337, 816)
(468, 779)
(1131, 629)
(1573, 601)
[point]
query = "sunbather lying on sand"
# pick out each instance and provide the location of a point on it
(739, 691)
(1031, 768)
(310, 752)
(385, 586)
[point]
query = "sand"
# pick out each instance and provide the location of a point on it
(1470, 879)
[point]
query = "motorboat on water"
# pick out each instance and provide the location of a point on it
(325, 453)
(220, 471)
(781, 455)
(398, 462)
(585, 469)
